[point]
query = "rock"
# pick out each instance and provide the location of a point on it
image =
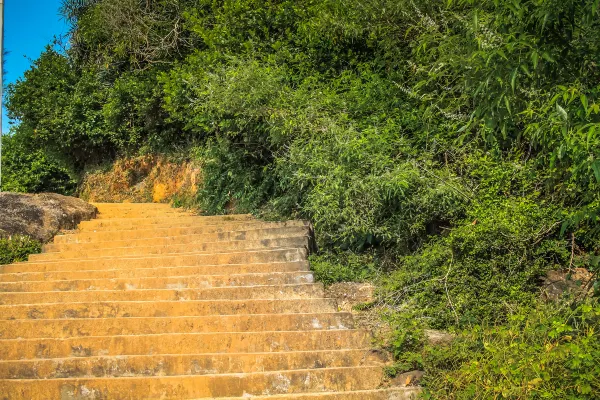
(350, 294)
(411, 378)
(438, 338)
(41, 216)
(557, 283)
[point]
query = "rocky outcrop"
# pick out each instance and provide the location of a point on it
(41, 216)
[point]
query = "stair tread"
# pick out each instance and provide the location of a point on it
(297, 241)
(4, 286)
(72, 328)
(207, 270)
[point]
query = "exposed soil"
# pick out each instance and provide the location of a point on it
(143, 180)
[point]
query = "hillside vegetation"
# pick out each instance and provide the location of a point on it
(447, 150)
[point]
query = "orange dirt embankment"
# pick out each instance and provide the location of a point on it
(141, 180)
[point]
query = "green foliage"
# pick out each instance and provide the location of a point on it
(28, 168)
(483, 267)
(17, 248)
(546, 352)
(332, 268)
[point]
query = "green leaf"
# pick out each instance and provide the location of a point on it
(535, 58)
(584, 102)
(565, 225)
(596, 169)
(513, 79)
(507, 103)
(561, 111)
(590, 136)
(548, 57)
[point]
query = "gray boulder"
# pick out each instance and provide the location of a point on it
(41, 216)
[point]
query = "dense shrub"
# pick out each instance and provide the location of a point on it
(17, 248)
(28, 168)
(545, 352)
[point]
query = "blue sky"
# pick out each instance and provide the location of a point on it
(29, 26)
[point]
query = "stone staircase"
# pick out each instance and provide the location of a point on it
(148, 302)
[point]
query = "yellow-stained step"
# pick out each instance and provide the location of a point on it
(201, 386)
(157, 261)
(174, 220)
(170, 282)
(227, 231)
(199, 246)
(188, 237)
(185, 364)
(381, 394)
(63, 328)
(131, 309)
(266, 292)
(157, 272)
(148, 302)
(184, 343)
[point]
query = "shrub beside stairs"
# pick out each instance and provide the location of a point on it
(148, 302)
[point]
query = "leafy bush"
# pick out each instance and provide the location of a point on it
(28, 168)
(17, 248)
(332, 268)
(483, 267)
(546, 352)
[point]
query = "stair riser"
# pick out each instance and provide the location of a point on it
(165, 308)
(194, 364)
(115, 214)
(189, 282)
(164, 272)
(161, 231)
(261, 234)
(187, 260)
(31, 329)
(403, 393)
(247, 342)
(236, 293)
(167, 221)
(207, 386)
(198, 247)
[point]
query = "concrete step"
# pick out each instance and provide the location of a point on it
(69, 328)
(169, 231)
(174, 282)
(127, 206)
(158, 272)
(173, 221)
(184, 364)
(185, 238)
(142, 212)
(203, 386)
(138, 214)
(183, 343)
(132, 309)
(267, 292)
(157, 261)
(400, 393)
(194, 247)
